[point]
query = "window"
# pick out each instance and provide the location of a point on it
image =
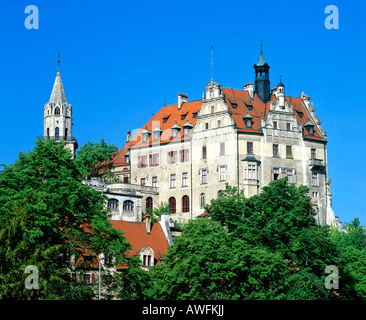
(57, 132)
(186, 131)
(113, 204)
(172, 156)
(146, 260)
(212, 109)
(165, 119)
(149, 203)
(222, 148)
(194, 115)
(203, 176)
(66, 132)
(314, 179)
(248, 123)
(275, 125)
(220, 194)
(289, 152)
(57, 111)
(185, 204)
(184, 179)
(204, 152)
(155, 182)
(143, 181)
(311, 131)
(128, 205)
(275, 174)
(313, 153)
(275, 150)
(175, 133)
(288, 126)
(87, 279)
(202, 200)
(172, 204)
(234, 105)
(154, 159)
(222, 173)
(173, 180)
(315, 195)
(206, 126)
(145, 137)
(156, 135)
(250, 148)
(184, 155)
(250, 173)
(183, 116)
(219, 123)
(48, 132)
(142, 161)
(290, 175)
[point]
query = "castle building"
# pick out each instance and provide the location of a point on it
(247, 138)
(57, 123)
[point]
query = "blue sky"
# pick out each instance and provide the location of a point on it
(121, 60)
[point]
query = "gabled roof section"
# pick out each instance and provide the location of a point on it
(173, 117)
(137, 236)
(242, 100)
(58, 92)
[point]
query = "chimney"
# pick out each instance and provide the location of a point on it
(249, 87)
(147, 221)
(129, 136)
(181, 99)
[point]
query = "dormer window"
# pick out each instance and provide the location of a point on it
(309, 127)
(183, 116)
(187, 127)
(175, 130)
(248, 120)
(194, 115)
(157, 133)
(145, 134)
(166, 119)
(234, 105)
(127, 157)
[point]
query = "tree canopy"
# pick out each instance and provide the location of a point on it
(45, 214)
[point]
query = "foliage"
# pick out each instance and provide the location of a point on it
(95, 160)
(46, 214)
(158, 211)
(264, 247)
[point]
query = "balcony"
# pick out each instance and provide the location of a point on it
(317, 163)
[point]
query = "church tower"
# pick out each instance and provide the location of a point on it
(57, 122)
(262, 87)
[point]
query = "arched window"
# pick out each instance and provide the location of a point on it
(149, 203)
(202, 200)
(57, 110)
(128, 205)
(48, 132)
(66, 132)
(185, 204)
(57, 132)
(113, 204)
(172, 205)
(220, 194)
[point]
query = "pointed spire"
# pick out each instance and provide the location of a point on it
(58, 92)
(261, 61)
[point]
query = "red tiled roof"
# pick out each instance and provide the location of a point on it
(136, 234)
(171, 113)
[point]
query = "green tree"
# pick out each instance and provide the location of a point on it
(46, 214)
(95, 160)
(264, 247)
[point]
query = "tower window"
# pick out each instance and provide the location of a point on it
(66, 132)
(57, 110)
(48, 132)
(57, 132)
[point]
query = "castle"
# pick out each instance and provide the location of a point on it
(186, 153)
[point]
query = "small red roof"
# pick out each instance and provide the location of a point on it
(136, 234)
